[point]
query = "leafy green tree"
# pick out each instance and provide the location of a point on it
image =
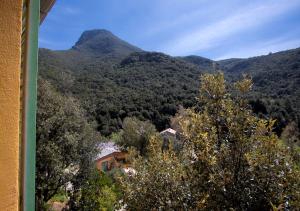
(232, 159)
(65, 141)
(158, 182)
(136, 133)
(98, 192)
(238, 161)
(291, 137)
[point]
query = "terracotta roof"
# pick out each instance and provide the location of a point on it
(45, 7)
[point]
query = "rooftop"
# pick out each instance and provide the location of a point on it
(107, 148)
(169, 130)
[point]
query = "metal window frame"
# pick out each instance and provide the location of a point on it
(31, 18)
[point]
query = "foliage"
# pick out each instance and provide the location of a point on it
(276, 84)
(236, 151)
(231, 159)
(291, 137)
(97, 193)
(64, 138)
(60, 197)
(136, 134)
(157, 182)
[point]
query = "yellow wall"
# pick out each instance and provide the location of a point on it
(10, 39)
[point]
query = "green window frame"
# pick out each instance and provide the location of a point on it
(29, 69)
(104, 166)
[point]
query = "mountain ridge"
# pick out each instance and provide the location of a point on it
(101, 34)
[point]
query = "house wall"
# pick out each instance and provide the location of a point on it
(99, 162)
(111, 158)
(10, 59)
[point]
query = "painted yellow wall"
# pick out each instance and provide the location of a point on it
(10, 52)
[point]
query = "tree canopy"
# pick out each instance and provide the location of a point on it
(136, 133)
(65, 141)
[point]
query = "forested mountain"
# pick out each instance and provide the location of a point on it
(113, 79)
(276, 78)
(203, 63)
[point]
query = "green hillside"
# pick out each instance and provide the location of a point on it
(113, 79)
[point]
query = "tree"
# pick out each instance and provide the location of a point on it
(232, 159)
(98, 192)
(136, 134)
(291, 137)
(240, 160)
(157, 182)
(65, 141)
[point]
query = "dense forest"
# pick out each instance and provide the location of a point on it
(113, 80)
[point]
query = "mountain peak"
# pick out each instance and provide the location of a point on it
(90, 34)
(103, 42)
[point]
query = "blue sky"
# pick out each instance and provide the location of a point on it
(215, 29)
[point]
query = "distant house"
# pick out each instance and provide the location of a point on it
(111, 157)
(168, 133)
(169, 137)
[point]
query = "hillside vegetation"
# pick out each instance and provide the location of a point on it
(113, 80)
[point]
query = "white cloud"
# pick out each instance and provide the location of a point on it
(172, 15)
(70, 10)
(60, 11)
(213, 35)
